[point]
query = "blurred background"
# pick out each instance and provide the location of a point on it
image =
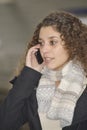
(18, 19)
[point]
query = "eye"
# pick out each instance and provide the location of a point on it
(53, 42)
(41, 43)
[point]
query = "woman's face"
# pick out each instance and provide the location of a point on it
(51, 48)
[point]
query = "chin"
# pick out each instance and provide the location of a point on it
(51, 68)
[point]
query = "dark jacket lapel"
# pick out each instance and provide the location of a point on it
(80, 113)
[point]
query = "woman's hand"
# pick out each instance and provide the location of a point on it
(31, 60)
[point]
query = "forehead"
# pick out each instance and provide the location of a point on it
(48, 32)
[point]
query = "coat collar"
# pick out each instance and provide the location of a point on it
(80, 113)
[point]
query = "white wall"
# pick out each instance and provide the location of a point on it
(84, 19)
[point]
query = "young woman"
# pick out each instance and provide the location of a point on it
(54, 90)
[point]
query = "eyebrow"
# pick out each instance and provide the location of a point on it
(50, 37)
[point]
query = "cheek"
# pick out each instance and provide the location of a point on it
(61, 53)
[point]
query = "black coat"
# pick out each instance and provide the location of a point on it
(20, 106)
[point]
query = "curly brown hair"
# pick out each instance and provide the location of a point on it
(72, 31)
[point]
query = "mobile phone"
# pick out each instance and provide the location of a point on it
(39, 57)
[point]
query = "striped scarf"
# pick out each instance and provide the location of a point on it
(59, 102)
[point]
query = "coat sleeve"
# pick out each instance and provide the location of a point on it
(12, 110)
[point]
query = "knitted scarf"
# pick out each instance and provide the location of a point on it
(59, 103)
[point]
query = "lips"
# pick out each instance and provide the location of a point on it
(48, 59)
